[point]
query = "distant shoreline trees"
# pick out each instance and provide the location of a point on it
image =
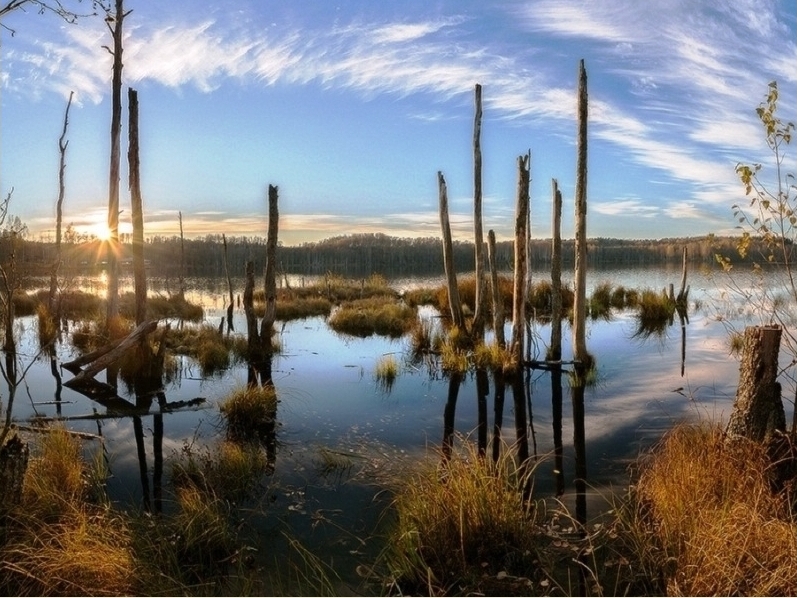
(359, 255)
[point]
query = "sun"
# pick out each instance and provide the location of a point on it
(101, 231)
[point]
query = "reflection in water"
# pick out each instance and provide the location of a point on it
(454, 383)
(498, 411)
(482, 390)
(579, 443)
(260, 372)
(556, 417)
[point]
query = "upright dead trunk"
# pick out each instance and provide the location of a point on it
(498, 303)
(580, 300)
(253, 338)
(556, 273)
(454, 304)
(270, 283)
(229, 285)
(182, 256)
(134, 177)
(54, 303)
(519, 287)
(478, 233)
(758, 408)
(114, 22)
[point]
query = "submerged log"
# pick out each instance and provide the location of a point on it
(758, 412)
(112, 354)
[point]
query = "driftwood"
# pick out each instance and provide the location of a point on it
(580, 298)
(112, 354)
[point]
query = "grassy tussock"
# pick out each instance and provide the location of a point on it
(461, 522)
(299, 308)
(377, 315)
(386, 371)
(204, 344)
(708, 520)
(493, 357)
(160, 307)
(656, 312)
(248, 410)
(47, 328)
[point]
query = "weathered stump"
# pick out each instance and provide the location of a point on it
(758, 408)
(13, 463)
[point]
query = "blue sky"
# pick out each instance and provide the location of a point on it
(352, 108)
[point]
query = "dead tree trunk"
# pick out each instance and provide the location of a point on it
(63, 143)
(182, 257)
(114, 22)
(478, 315)
(134, 177)
(229, 286)
(454, 304)
(114, 354)
(758, 408)
(253, 338)
(556, 274)
(580, 299)
(270, 282)
(519, 289)
(498, 303)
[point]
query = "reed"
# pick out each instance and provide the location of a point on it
(248, 411)
(386, 371)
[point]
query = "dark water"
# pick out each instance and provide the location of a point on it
(329, 400)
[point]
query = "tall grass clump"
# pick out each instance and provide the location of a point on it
(461, 522)
(493, 357)
(656, 312)
(47, 328)
(61, 539)
(248, 411)
(377, 315)
(386, 372)
(300, 308)
(205, 344)
(708, 519)
(600, 302)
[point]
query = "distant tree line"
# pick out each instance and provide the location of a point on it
(360, 255)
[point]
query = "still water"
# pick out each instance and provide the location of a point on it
(330, 400)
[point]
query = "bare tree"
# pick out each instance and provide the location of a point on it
(63, 143)
(56, 7)
(114, 20)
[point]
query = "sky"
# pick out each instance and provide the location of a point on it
(352, 108)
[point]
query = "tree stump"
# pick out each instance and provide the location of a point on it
(13, 463)
(758, 408)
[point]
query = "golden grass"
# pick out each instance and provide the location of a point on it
(709, 521)
(248, 411)
(493, 357)
(376, 315)
(299, 308)
(386, 371)
(205, 344)
(461, 521)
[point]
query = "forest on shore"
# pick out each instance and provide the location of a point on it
(363, 254)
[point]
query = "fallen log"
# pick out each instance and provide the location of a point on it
(113, 354)
(75, 365)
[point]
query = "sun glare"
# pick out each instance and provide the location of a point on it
(102, 232)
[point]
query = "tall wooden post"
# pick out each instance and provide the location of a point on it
(134, 178)
(498, 303)
(478, 316)
(182, 256)
(270, 282)
(519, 287)
(556, 273)
(454, 304)
(114, 22)
(580, 300)
(230, 327)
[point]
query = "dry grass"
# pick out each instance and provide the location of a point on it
(493, 357)
(248, 411)
(59, 542)
(708, 520)
(205, 344)
(376, 315)
(461, 523)
(386, 371)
